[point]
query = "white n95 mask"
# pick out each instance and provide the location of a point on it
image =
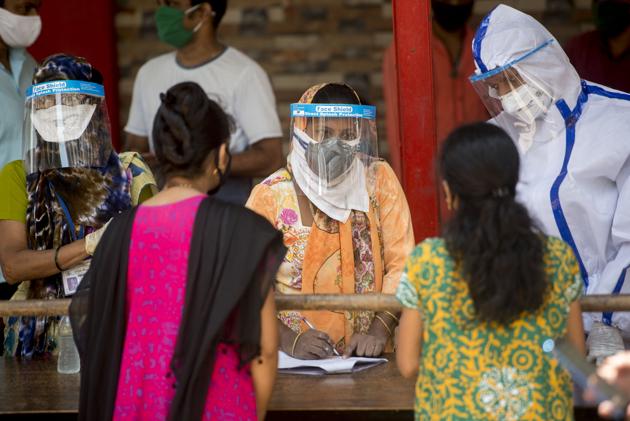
(526, 103)
(62, 123)
(19, 31)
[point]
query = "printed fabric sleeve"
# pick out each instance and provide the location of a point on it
(143, 185)
(396, 229)
(406, 292)
(135, 122)
(572, 289)
(573, 292)
(13, 195)
(255, 106)
(262, 201)
(418, 276)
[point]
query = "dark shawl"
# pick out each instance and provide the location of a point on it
(234, 256)
(61, 198)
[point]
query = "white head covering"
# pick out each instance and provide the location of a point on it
(335, 201)
(509, 38)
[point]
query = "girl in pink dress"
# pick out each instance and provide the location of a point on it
(175, 318)
(156, 284)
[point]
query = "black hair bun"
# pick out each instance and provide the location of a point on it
(176, 138)
(187, 128)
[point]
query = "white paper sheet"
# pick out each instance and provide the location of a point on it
(334, 365)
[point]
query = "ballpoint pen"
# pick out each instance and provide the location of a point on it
(310, 325)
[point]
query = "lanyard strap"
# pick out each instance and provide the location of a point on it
(68, 218)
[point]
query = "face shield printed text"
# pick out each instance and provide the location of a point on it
(333, 111)
(65, 87)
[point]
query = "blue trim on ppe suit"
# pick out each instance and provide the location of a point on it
(570, 120)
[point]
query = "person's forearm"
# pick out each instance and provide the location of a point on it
(287, 336)
(575, 327)
(264, 367)
(409, 346)
(257, 162)
(25, 265)
(152, 162)
(264, 370)
(134, 143)
(252, 164)
(383, 324)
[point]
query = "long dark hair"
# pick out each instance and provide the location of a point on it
(491, 236)
(187, 128)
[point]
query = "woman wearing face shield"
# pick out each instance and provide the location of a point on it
(56, 202)
(345, 221)
(573, 138)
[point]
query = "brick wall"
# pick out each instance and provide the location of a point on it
(303, 42)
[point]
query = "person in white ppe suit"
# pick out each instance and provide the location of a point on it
(574, 140)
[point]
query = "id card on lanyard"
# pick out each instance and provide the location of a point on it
(72, 277)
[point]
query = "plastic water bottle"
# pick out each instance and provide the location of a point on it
(68, 361)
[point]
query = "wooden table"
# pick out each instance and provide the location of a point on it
(377, 389)
(34, 386)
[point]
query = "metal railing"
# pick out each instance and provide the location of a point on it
(375, 302)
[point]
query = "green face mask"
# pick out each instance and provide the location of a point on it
(170, 26)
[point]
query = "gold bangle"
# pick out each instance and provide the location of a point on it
(295, 343)
(392, 316)
(380, 319)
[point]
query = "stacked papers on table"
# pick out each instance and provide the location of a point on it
(334, 365)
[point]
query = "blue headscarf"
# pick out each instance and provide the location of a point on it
(66, 67)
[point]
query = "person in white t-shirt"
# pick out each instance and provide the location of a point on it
(228, 76)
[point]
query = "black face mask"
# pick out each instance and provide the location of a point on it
(222, 175)
(451, 17)
(337, 155)
(611, 17)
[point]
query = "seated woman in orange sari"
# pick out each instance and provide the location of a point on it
(345, 221)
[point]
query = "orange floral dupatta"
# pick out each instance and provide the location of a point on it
(330, 267)
(329, 261)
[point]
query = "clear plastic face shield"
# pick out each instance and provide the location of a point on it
(514, 96)
(66, 125)
(335, 143)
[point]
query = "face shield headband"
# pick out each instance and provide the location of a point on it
(488, 73)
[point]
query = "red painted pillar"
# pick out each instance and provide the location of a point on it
(84, 28)
(412, 35)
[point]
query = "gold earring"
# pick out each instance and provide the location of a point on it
(215, 172)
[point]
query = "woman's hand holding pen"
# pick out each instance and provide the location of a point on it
(310, 344)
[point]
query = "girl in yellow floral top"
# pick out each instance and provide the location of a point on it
(480, 302)
(345, 221)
